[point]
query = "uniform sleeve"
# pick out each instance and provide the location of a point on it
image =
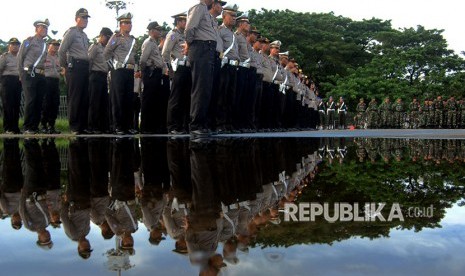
(92, 52)
(64, 46)
(193, 21)
(110, 48)
(146, 50)
(2, 64)
(170, 41)
(22, 53)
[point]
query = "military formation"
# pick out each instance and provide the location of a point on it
(202, 79)
(201, 194)
(432, 113)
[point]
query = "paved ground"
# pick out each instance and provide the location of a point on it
(373, 133)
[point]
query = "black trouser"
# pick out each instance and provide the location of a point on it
(342, 119)
(52, 165)
(266, 105)
(201, 57)
(99, 166)
(122, 169)
(78, 189)
(135, 110)
(12, 173)
(258, 101)
(78, 95)
(249, 98)
(34, 90)
(154, 162)
(226, 97)
(51, 102)
(153, 103)
(279, 103)
(179, 100)
(98, 103)
(11, 99)
(213, 108)
(122, 82)
(180, 169)
(237, 107)
(34, 170)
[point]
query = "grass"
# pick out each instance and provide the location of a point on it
(61, 124)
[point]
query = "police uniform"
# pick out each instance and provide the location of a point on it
(73, 56)
(52, 94)
(330, 110)
(179, 98)
(10, 89)
(228, 74)
(31, 59)
(266, 99)
(153, 100)
(342, 112)
(251, 92)
(240, 99)
(278, 96)
(259, 63)
(321, 112)
(202, 39)
(98, 86)
(121, 51)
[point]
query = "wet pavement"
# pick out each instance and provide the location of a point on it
(306, 203)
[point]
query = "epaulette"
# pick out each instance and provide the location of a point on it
(74, 27)
(118, 35)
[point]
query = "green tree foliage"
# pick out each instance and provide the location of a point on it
(365, 58)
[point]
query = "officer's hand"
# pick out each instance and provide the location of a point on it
(185, 48)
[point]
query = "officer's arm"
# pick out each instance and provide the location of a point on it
(170, 41)
(67, 40)
(193, 20)
(92, 53)
(146, 50)
(2, 64)
(21, 54)
(110, 48)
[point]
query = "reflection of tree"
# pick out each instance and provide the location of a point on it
(411, 184)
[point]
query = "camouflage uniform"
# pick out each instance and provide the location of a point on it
(438, 113)
(431, 114)
(385, 116)
(414, 109)
(461, 108)
(398, 108)
(372, 111)
(451, 108)
(360, 117)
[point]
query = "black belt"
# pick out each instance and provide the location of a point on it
(209, 42)
(81, 61)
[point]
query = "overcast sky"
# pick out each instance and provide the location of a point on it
(445, 14)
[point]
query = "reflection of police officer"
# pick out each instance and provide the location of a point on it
(120, 214)
(33, 207)
(31, 58)
(10, 87)
(201, 41)
(10, 187)
(74, 58)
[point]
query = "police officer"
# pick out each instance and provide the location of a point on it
(31, 59)
(121, 50)
(74, 58)
(153, 102)
(266, 101)
(52, 94)
(10, 87)
(201, 38)
(321, 112)
(173, 56)
(259, 61)
(330, 110)
(250, 96)
(242, 29)
(277, 81)
(228, 71)
(342, 112)
(98, 85)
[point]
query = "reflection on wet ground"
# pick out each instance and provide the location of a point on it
(177, 206)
